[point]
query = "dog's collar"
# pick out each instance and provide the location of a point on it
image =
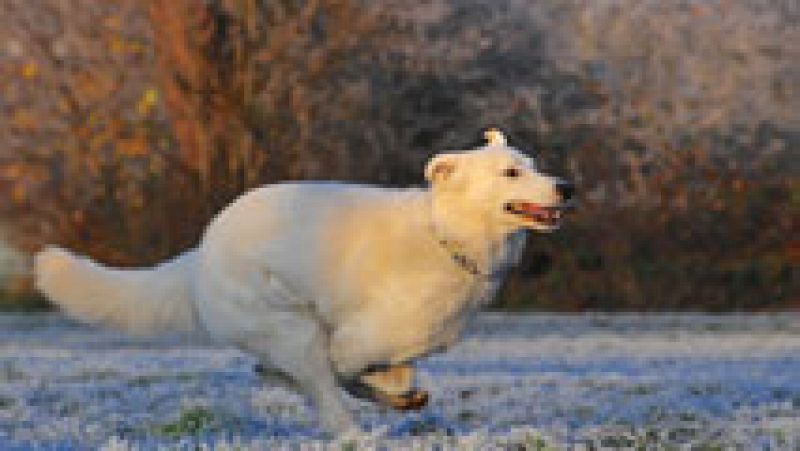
(462, 260)
(468, 264)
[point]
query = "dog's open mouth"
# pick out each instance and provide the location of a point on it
(549, 216)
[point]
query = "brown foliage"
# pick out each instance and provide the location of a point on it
(130, 124)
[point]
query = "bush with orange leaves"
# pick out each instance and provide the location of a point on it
(128, 124)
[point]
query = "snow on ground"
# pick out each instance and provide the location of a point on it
(515, 382)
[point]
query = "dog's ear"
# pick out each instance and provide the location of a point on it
(441, 167)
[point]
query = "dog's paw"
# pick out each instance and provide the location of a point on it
(388, 385)
(411, 400)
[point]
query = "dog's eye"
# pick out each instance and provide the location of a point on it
(511, 173)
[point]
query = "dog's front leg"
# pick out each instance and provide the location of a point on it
(297, 346)
(353, 351)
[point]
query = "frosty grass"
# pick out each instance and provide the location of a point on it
(515, 382)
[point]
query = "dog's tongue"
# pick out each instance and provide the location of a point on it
(537, 212)
(528, 207)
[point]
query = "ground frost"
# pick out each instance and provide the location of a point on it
(515, 382)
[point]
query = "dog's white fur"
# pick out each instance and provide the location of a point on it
(320, 280)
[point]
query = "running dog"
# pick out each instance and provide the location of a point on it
(334, 285)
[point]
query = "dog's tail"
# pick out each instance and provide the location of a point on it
(140, 301)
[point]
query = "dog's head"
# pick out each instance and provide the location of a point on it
(499, 184)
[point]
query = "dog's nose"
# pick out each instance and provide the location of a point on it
(565, 190)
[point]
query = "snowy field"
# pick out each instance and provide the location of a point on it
(515, 382)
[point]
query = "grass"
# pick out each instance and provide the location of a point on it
(515, 382)
(192, 422)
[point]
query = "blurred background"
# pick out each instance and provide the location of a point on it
(126, 124)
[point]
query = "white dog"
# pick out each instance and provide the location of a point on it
(332, 284)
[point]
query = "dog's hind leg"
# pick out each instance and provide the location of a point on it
(275, 377)
(295, 344)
